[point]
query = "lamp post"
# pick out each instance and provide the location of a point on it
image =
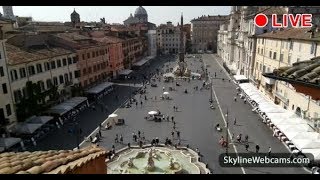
(227, 126)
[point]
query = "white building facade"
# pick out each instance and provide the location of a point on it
(152, 42)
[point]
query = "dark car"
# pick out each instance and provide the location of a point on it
(154, 85)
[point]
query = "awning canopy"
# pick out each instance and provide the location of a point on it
(99, 88)
(26, 128)
(143, 61)
(39, 119)
(240, 77)
(307, 144)
(125, 72)
(152, 112)
(66, 106)
(9, 142)
(113, 115)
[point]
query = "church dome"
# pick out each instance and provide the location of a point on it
(140, 11)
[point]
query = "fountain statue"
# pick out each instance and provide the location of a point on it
(150, 165)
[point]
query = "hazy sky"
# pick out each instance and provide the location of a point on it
(117, 14)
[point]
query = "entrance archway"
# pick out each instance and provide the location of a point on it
(298, 111)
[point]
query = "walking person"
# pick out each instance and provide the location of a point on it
(141, 103)
(121, 139)
(178, 134)
(235, 98)
(139, 133)
(269, 151)
(136, 103)
(257, 148)
(172, 119)
(172, 134)
(246, 138)
(174, 108)
(235, 121)
(247, 146)
(116, 140)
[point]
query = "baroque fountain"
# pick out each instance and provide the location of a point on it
(156, 160)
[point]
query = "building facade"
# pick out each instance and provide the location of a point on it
(168, 38)
(93, 57)
(7, 113)
(152, 42)
(204, 32)
(280, 49)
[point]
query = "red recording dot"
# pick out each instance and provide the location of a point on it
(261, 20)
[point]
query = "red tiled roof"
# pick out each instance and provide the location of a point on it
(47, 162)
(109, 39)
(292, 33)
(18, 55)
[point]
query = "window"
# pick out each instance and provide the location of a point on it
(55, 81)
(14, 75)
(70, 75)
(61, 79)
(75, 59)
(264, 69)
(282, 44)
(299, 47)
(88, 55)
(93, 55)
(270, 54)
(59, 63)
(64, 62)
(8, 108)
(1, 72)
(262, 51)
(312, 48)
(258, 50)
(83, 56)
(94, 68)
(66, 78)
(49, 83)
(84, 71)
(97, 54)
(292, 107)
(89, 70)
(274, 55)
(53, 64)
(41, 85)
(39, 68)
(47, 66)
(69, 61)
(260, 67)
(289, 59)
(77, 74)
(281, 57)
(4, 88)
(291, 44)
(17, 95)
(31, 70)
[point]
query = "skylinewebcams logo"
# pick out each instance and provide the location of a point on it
(284, 21)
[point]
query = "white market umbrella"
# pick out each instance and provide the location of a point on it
(152, 112)
(113, 115)
(165, 93)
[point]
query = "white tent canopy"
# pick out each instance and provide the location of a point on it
(307, 135)
(25, 128)
(39, 119)
(295, 128)
(281, 121)
(307, 144)
(314, 152)
(152, 112)
(113, 115)
(165, 93)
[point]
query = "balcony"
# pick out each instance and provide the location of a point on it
(282, 98)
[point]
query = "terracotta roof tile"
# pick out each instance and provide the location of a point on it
(47, 161)
(18, 55)
(292, 33)
(307, 71)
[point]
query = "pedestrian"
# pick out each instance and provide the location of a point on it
(234, 121)
(172, 119)
(121, 139)
(136, 103)
(269, 151)
(133, 135)
(245, 101)
(239, 138)
(168, 118)
(257, 148)
(172, 134)
(174, 108)
(235, 98)
(246, 138)
(145, 97)
(178, 134)
(100, 133)
(141, 103)
(232, 137)
(157, 140)
(139, 133)
(113, 149)
(174, 127)
(247, 146)
(174, 123)
(116, 140)
(197, 150)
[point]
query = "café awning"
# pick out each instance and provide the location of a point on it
(66, 106)
(39, 119)
(26, 128)
(99, 88)
(125, 72)
(9, 142)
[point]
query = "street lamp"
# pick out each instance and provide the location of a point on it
(227, 126)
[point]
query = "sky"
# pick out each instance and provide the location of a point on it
(117, 14)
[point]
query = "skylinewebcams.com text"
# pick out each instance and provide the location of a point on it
(264, 160)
